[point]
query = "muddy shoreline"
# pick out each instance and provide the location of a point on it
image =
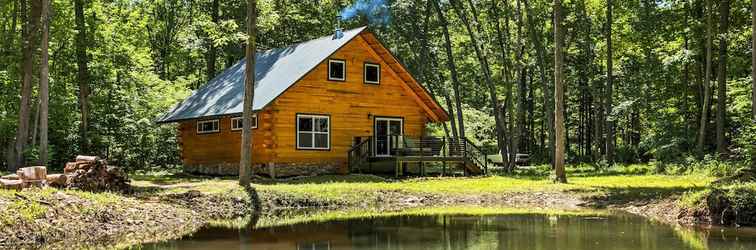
(141, 219)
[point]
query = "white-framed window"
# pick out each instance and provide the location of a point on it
(313, 132)
(336, 70)
(237, 123)
(208, 126)
(372, 73)
(321, 245)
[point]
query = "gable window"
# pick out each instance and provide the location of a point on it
(336, 70)
(208, 126)
(237, 123)
(372, 73)
(313, 132)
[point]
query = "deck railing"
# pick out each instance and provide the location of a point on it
(424, 148)
(476, 155)
(360, 154)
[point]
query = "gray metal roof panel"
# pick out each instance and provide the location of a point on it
(275, 71)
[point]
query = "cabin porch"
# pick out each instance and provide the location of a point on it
(402, 155)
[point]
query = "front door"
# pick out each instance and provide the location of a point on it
(387, 132)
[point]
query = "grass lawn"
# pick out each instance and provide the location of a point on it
(348, 188)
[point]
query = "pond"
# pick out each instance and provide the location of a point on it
(515, 231)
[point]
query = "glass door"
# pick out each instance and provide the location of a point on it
(387, 134)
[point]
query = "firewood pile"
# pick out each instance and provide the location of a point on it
(94, 174)
(85, 173)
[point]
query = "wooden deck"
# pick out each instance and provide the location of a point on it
(460, 152)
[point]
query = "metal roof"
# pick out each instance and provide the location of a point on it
(275, 71)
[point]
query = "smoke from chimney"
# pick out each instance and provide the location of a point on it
(376, 12)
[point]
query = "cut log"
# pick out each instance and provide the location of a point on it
(86, 158)
(69, 168)
(57, 180)
(11, 184)
(94, 174)
(36, 173)
(10, 177)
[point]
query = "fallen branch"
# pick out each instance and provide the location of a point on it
(22, 197)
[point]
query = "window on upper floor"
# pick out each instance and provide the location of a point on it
(372, 73)
(336, 70)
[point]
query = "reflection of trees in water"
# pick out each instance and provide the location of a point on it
(511, 232)
(460, 232)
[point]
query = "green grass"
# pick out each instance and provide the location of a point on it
(349, 188)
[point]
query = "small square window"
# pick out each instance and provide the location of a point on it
(237, 123)
(336, 70)
(208, 126)
(372, 73)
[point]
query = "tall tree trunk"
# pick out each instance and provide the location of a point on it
(724, 16)
(521, 83)
(686, 76)
(753, 71)
(559, 94)
(483, 61)
(452, 67)
(503, 37)
(541, 60)
(22, 133)
(245, 166)
(44, 84)
(753, 60)
(609, 86)
(707, 84)
(82, 62)
(431, 59)
(211, 50)
(35, 125)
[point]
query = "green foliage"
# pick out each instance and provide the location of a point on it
(145, 56)
(710, 166)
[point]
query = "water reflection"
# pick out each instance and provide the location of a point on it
(468, 232)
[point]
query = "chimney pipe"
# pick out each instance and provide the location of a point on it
(338, 33)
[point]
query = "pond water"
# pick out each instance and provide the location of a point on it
(469, 232)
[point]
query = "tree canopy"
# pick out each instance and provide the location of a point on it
(128, 61)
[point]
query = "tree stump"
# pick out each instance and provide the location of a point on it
(33, 176)
(11, 184)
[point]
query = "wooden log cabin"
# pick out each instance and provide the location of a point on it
(314, 101)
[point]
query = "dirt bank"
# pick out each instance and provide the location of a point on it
(168, 209)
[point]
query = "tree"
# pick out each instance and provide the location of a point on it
(541, 61)
(724, 16)
(22, 132)
(452, 66)
(245, 166)
(44, 84)
(211, 50)
(83, 74)
(522, 70)
(753, 59)
(706, 84)
(483, 62)
(609, 86)
(559, 154)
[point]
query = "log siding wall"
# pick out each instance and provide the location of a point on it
(351, 104)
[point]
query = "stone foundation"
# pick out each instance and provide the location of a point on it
(273, 170)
